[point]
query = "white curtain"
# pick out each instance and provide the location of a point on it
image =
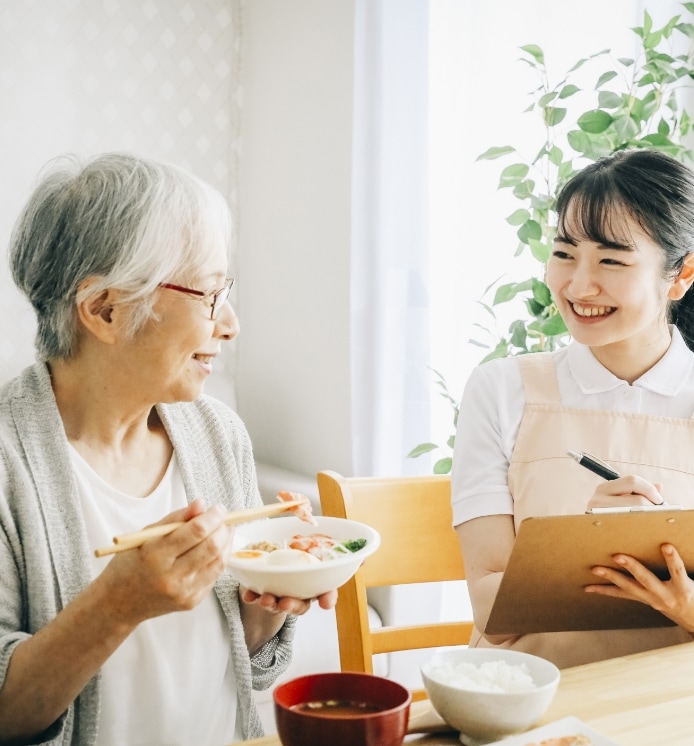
(389, 282)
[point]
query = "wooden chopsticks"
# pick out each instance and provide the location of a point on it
(124, 542)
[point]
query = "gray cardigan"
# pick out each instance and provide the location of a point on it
(44, 557)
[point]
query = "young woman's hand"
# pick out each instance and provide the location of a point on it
(674, 598)
(625, 491)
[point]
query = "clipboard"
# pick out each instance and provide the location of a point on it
(542, 586)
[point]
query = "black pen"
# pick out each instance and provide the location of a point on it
(595, 465)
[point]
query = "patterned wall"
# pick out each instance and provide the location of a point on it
(156, 77)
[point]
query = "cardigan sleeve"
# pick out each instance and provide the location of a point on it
(14, 592)
(274, 657)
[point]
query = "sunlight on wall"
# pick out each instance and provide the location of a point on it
(479, 90)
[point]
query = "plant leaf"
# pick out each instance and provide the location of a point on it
(497, 152)
(625, 128)
(568, 90)
(554, 115)
(443, 466)
(541, 293)
(529, 229)
(513, 175)
(518, 217)
(609, 100)
(540, 250)
(578, 140)
(519, 334)
(595, 121)
(421, 449)
(554, 326)
(547, 98)
(534, 51)
(605, 78)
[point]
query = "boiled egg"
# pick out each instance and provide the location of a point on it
(250, 554)
(291, 557)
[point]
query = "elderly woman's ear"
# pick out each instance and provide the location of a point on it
(97, 311)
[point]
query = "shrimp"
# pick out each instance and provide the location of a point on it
(304, 511)
(320, 545)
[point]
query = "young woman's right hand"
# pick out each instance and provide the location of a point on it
(626, 491)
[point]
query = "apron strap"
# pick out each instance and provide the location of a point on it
(539, 378)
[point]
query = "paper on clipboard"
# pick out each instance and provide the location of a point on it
(542, 586)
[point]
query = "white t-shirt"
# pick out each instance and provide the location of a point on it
(493, 402)
(171, 682)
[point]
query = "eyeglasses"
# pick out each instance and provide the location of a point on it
(216, 298)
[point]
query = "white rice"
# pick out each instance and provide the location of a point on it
(490, 676)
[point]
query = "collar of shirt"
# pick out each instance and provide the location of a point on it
(666, 377)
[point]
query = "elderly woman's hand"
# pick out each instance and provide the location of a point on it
(263, 614)
(625, 491)
(287, 604)
(674, 598)
(170, 573)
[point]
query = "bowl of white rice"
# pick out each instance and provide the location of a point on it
(487, 693)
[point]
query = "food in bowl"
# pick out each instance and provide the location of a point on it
(337, 708)
(341, 709)
(302, 511)
(488, 712)
(300, 549)
(488, 676)
(270, 555)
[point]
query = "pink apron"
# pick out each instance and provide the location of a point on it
(545, 481)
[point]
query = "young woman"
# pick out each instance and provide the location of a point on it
(623, 390)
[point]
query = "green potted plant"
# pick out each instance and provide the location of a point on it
(636, 103)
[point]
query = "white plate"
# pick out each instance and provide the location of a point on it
(569, 726)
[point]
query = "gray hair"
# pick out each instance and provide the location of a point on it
(127, 222)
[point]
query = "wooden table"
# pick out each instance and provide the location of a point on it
(645, 699)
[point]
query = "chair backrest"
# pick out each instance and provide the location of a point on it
(413, 515)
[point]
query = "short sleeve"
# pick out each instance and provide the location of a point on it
(490, 412)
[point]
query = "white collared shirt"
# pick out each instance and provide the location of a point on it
(494, 399)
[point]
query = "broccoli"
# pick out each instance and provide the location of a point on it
(351, 545)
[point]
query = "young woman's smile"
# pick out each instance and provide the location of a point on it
(592, 312)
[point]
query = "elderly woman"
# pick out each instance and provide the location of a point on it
(125, 263)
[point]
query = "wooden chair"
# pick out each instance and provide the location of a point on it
(418, 545)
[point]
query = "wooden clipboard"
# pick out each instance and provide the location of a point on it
(542, 587)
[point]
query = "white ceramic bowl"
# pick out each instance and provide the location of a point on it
(486, 716)
(305, 580)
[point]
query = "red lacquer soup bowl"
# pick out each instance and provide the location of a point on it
(341, 709)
